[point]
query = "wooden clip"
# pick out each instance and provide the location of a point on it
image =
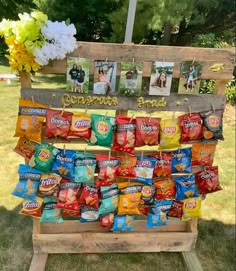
(173, 116)
(105, 116)
(193, 60)
(64, 149)
(131, 118)
(109, 155)
(85, 150)
(133, 61)
(106, 59)
(190, 110)
(213, 107)
(63, 109)
(85, 111)
(149, 117)
(142, 155)
(32, 97)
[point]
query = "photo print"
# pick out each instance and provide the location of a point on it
(190, 73)
(131, 78)
(78, 74)
(104, 77)
(161, 78)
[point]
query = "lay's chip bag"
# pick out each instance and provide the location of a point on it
(191, 208)
(185, 187)
(181, 161)
(51, 214)
(123, 223)
(144, 169)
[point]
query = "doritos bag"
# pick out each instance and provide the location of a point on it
(166, 189)
(80, 126)
(32, 207)
(181, 160)
(203, 154)
(51, 214)
(176, 209)
(25, 148)
(89, 196)
(185, 187)
(49, 185)
(191, 208)
(163, 164)
(144, 169)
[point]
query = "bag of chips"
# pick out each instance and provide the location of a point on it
(80, 126)
(208, 180)
(109, 199)
(212, 125)
(89, 196)
(28, 183)
(176, 209)
(191, 208)
(51, 214)
(32, 207)
(144, 169)
(102, 129)
(58, 123)
(125, 135)
(88, 214)
(126, 169)
(170, 134)
(85, 165)
(30, 119)
(203, 154)
(185, 187)
(163, 164)
(181, 161)
(49, 185)
(106, 220)
(71, 213)
(25, 148)
(166, 189)
(64, 163)
(147, 131)
(191, 127)
(148, 195)
(123, 223)
(43, 157)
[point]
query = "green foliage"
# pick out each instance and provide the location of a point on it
(209, 40)
(231, 92)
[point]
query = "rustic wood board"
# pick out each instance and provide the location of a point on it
(191, 261)
(38, 262)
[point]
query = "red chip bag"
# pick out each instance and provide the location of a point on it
(203, 154)
(127, 165)
(71, 213)
(143, 209)
(57, 123)
(208, 180)
(25, 147)
(166, 189)
(80, 126)
(106, 221)
(163, 164)
(176, 209)
(191, 127)
(125, 135)
(89, 196)
(147, 131)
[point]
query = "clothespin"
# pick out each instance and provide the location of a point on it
(132, 117)
(173, 116)
(64, 149)
(189, 110)
(32, 97)
(142, 155)
(149, 117)
(213, 107)
(193, 60)
(109, 155)
(85, 111)
(106, 59)
(85, 150)
(63, 109)
(105, 116)
(133, 61)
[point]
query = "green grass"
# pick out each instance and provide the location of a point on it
(216, 241)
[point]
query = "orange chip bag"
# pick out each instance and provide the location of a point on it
(80, 125)
(191, 208)
(203, 154)
(166, 189)
(126, 167)
(30, 119)
(32, 207)
(25, 147)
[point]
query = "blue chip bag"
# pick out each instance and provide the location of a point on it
(123, 223)
(64, 163)
(185, 187)
(109, 199)
(51, 214)
(28, 184)
(85, 165)
(88, 214)
(144, 169)
(181, 161)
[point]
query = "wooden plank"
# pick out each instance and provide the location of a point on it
(38, 262)
(220, 86)
(191, 261)
(198, 103)
(114, 242)
(25, 79)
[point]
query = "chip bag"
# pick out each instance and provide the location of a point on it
(102, 129)
(176, 209)
(191, 208)
(166, 189)
(203, 154)
(147, 131)
(71, 213)
(181, 161)
(49, 185)
(123, 223)
(127, 165)
(185, 187)
(148, 195)
(144, 169)
(28, 183)
(88, 214)
(191, 127)
(170, 134)
(25, 148)
(80, 126)
(109, 199)
(163, 164)
(106, 220)
(85, 165)
(51, 214)
(208, 180)
(124, 140)
(58, 123)
(89, 196)
(30, 119)
(32, 207)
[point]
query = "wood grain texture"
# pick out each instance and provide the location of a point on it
(191, 261)
(38, 262)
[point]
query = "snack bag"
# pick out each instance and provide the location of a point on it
(25, 148)
(102, 129)
(32, 207)
(106, 220)
(191, 208)
(64, 163)
(170, 134)
(85, 165)
(203, 154)
(147, 131)
(181, 161)
(185, 187)
(58, 123)
(143, 209)
(88, 214)
(125, 135)
(107, 170)
(28, 183)
(208, 180)
(144, 169)
(71, 213)
(163, 164)
(127, 165)
(49, 185)
(166, 189)
(80, 126)
(89, 196)
(51, 214)
(123, 223)
(67, 197)
(191, 127)
(43, 157)
(109, 199)
(148, 195)
(176, 209)
(212, 125)
(30, 119)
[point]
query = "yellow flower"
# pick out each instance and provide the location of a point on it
(38, 15)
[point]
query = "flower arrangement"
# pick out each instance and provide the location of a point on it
(34, 40)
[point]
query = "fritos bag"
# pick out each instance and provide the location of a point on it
(163, 164)
(89, 196)
(80, 126)
(109, 199)
(144, 169)
(181, 161)
(124, 135)
(25, 148)
(147, 131)
(49, 185)
(203, 154)
(166, 189)
(32, 207)
(191, 208)
(185, 187)
(123, 223)
(127, 165)
(176, 209)
(30, 119)
(51, 214)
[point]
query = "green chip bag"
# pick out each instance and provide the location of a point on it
(102, 129)
(109, 199)
(51, 214)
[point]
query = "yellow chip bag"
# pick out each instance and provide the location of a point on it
(191, 208)
(170, 134)
(30, 118)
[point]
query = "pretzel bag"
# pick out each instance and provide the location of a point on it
(25, 148)
(181, 161)
(80, 126)
(163, 164)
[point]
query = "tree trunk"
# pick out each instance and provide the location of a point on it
(167, 34)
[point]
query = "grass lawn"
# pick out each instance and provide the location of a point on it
(216, 240)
